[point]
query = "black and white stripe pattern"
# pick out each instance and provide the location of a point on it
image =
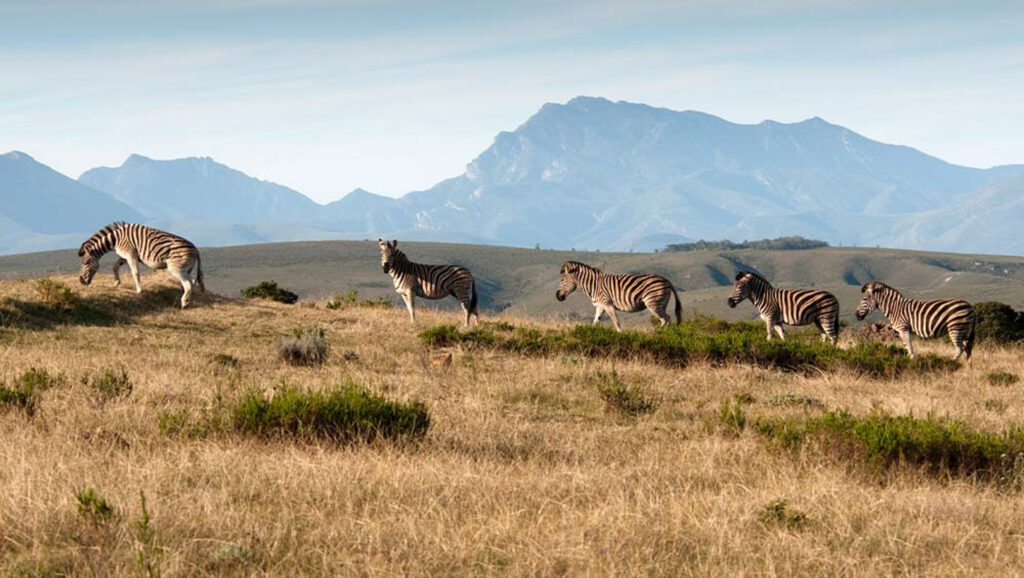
(922, 318)
(780, 307)
(428, 281)
(628, 293)
(136, 243)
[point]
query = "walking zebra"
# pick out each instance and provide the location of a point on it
(923, 318)
(134, 243)
(628, 293)
(428, 281)
(780, 307)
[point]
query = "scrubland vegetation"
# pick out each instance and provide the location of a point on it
(144, 440)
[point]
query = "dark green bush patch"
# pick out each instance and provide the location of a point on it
(93, 507)
(701, 338)
(1001, 378)
(937, 446)
(270, 290)
(26, 390)
(999, 323)
(351, 413)
(306, 346)
(779, 513)
(622, 398)
(108, 385)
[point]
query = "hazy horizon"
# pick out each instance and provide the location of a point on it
(394, 97)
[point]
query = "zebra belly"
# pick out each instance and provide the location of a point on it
(427, 291)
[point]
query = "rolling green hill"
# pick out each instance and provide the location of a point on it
(523, 281)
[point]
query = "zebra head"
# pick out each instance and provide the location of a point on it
(568, 283)
(388, 249)
(90, 263)
(741, 289)
(868, 299)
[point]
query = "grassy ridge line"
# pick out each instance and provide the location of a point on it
(698, 339)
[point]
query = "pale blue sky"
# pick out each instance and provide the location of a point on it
(395, 96)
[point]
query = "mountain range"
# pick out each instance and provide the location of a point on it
(587, 174)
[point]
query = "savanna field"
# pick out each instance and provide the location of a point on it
(143, 440)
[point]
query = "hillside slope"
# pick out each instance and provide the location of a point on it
(523, 281)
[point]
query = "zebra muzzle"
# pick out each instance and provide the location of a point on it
(559, 296)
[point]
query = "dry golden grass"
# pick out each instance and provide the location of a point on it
(522, 472)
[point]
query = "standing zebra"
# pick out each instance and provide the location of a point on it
(628, 293)
(780, 307)
(924, 318)
(428, 281)
(134, 243)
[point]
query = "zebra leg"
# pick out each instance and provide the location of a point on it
(905, 336)
(597, 314)
(782, 334)
(186, 298)
(615, 319)
(410, 305)
(133, 264)
(958, 344)
(771, 327)
(659, 310)
(117, 270)
(465, 309)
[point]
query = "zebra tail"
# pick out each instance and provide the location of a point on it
(679, 307)
(199, 274)
(473, 299)
(969, 346)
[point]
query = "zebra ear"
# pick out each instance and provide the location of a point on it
(864, 288)
(740, 275)
(394, 243)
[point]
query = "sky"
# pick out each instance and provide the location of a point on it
(393, 97)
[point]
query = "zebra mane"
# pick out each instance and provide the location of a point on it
(94, 240)
(572, 266)
(743, 274)
(876, 285)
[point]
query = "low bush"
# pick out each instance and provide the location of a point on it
(794, 400)
(999, 323)
(93, 507)
(350, 413)
(108, 385)
(56, 295)
(938, 446)
(306, 346)
(351, 299)
(270, 290)
(702, 338)
(1001, 378)
(779, 513)
(621, 398)
(26, 390)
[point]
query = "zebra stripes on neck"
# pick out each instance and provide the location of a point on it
(778, 307)
(930, 318)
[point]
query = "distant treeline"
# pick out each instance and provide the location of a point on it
(777, 244)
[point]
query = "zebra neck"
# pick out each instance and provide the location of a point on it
(890, 303)
(762, 295)
(587, 280)
(104, 243)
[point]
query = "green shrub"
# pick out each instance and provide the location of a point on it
(56, 295)
(999, 323)
(343, 301)
(1001, 378)
(697, 339)
(307, 346)
(110, 384)
(623, 398)
(26, 390)
(730, 414)
(270, 290)
(939, 446)
(778, 513)
(794, 399)
(93, 507)
(350, 413)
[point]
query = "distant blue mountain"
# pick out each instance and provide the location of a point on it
(593, 174)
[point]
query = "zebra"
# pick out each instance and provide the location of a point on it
(780, 307)
(610, 292)
(428, 281)
(926, 319)
(136, 243)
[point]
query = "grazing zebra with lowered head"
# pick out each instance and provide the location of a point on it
(780, 307)
(136, 243)
(428, 281)
(923, 318)
(610, 292)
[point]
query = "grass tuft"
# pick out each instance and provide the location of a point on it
(26, 390)
(56, 295)
(1001, 378)
(779, 513)
(270, 290)
(621, 398)
(351, 413)
(306, 346)
(108, 385)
